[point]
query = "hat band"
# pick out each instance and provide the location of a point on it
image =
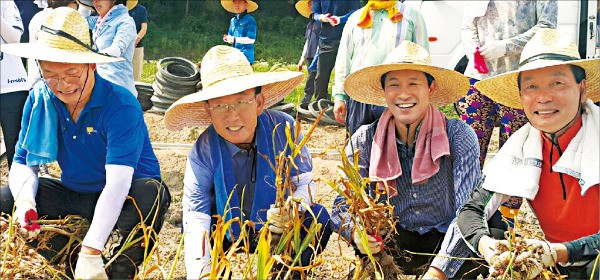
(70, 37)
(548, 56)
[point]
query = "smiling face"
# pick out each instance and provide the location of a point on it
(240, 6)
(551, 97)
(103, 6)
(236, 123)
(407, 95)
(67, 81)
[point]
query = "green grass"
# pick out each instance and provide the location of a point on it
(149, 71)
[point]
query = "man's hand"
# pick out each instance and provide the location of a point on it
(228, 39)
(25, 215)
(278, 217)
(339, 111)
(300, 64)
(493, 50)
(548, 254)
(375, 243)
(90, 267)
(487, 247)
(137, 40)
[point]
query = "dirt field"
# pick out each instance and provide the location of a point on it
(338, 256)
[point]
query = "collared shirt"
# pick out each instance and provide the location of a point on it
(116, 36)
(514, 22)
(110, 130)
(362, 47)
(244, 26)
(198, 182)
(433, 205)
(342, 9)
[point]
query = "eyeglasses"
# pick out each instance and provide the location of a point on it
(69, 79)
(224, 108)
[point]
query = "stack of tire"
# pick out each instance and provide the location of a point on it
(176, 77)
(145, 92)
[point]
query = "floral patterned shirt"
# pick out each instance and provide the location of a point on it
(514, 22)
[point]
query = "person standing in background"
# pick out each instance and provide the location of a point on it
(500, 29)
(384, 24)
(140, 17)
(304, 7)
(113, 33)
(13, 84)
(242, 27)
(332, 15)
(28, 9)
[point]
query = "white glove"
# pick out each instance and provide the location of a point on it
(490, 250)
(228, 39)
(548, 253)
(278, 217)
(24, 214)
(493, 50)
(375, 243)
(90, 267)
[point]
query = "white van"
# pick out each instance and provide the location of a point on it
(443, 18)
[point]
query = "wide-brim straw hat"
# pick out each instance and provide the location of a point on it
(225, 71)
(304, 8)
(364, 85)
(51, 45)
(548, 47)
(228, 5)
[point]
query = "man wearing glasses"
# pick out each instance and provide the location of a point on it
(228, 172)
(96, 131)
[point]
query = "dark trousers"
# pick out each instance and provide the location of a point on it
(309, 87)
(359, 114)
(11, 111)
(426, 243)
(325, 63)
(322, 218)
(55, 201)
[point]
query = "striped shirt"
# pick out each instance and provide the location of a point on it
(433, 205)
(362, 47)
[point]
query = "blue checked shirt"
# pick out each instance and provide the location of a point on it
(434, 205)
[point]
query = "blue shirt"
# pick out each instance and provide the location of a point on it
(340, 8)
(198, 182)
(117, 32)
(244, 26)
(433, 205)
(110, 130)
(312, 38)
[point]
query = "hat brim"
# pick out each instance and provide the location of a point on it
(43, 52)
(303, 8)
(504, 88)
(190, 111)
(228, 6)
(364, 85)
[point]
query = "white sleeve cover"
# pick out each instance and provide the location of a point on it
(244, 40)
(305, 187)
(109, 205)
(23, 182)
(196, 226)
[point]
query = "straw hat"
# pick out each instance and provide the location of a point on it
(228, 5)
(53, 45)
(547, 47)
(225, 71)
(304, 8)
(364, 85)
